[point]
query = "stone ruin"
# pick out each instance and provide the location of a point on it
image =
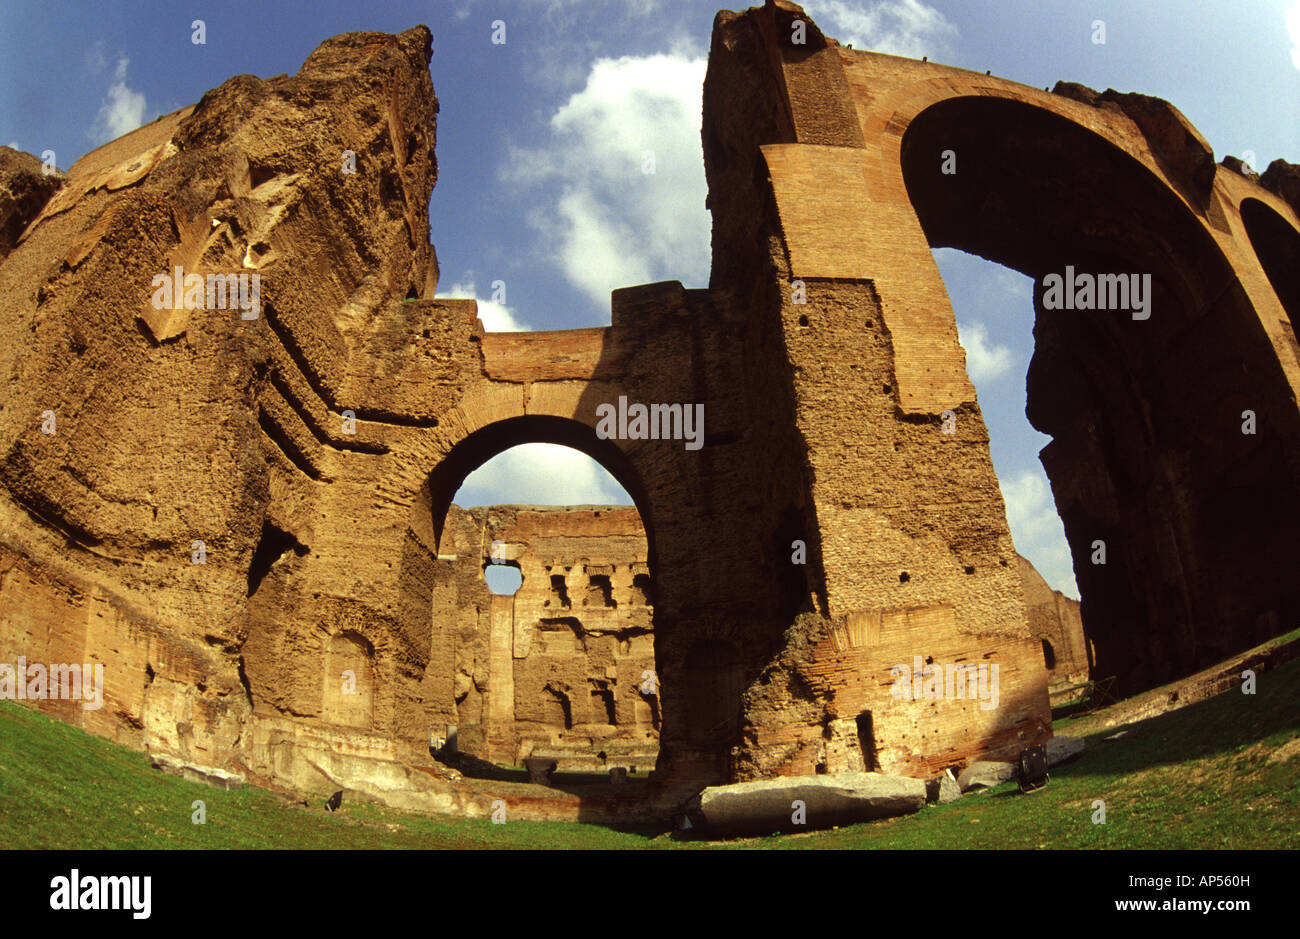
(226, 505)
(1057, 621)
(565, 666)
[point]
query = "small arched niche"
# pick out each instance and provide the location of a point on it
(348, 690)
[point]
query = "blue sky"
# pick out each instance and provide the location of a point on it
(541, 141)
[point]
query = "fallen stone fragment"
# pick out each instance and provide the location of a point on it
(1063, 750)
(985, 773)
(768, 805)
(208, 775)
(943, 789)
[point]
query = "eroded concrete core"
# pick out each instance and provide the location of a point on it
(309, 456)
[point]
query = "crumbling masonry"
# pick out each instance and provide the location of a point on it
(309, 456)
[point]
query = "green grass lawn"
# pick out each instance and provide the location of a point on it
(1223, 773)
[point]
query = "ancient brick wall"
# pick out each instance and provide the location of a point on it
(564, 667)
(853, 149)
(1057, 622)
(231, 509)
(577, 642)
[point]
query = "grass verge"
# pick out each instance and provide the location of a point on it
(1222, 773)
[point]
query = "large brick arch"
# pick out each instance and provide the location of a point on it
(1146, 415)
(512, 431)
(833, 157)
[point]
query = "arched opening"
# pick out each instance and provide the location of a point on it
(1277, 245)
(558, 662)
(1049, 655)
(487, 442)
(1142, 400)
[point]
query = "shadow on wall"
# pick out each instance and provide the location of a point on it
(1277, 246)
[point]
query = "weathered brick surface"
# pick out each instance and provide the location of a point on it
(565, 666)
(315, 450)
(1057, 622)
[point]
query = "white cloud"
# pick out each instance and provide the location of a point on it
(621, 179)
(1037, 530)
(541, 474)
(13, 145)
(898, 27)
(984, 359)
(1293, 30)
(496, 317)
(122, 110)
